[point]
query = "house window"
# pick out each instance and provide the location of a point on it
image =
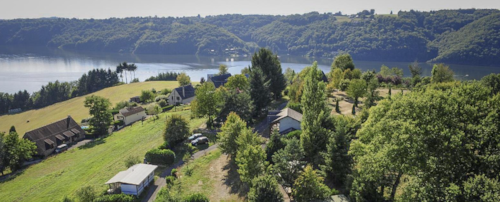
(178, 98)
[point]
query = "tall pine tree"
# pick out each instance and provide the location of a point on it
(259, 91)
(314, 136)
(271, 67)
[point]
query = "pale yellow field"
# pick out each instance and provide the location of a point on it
(74, 107)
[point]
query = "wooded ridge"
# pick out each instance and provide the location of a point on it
(468, 36)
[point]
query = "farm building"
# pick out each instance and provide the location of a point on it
(133, 180)
(135, 99)
(181, 95)
(48, 137)
(130, 115)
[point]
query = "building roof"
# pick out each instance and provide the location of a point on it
(134, 175)
(187, 93)
(130, 111)
(325, 79)
(287, 112)
(218, 80)
(58, 129)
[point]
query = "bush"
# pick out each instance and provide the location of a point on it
(165, 145)
(160, 98)
(163, 103)
(166, 91)
(86, 193)
(167, 108)
(132, 160)
(170, 180)
(294, 134)
(173, 173)
(115, 111)
(160, 156)
(344, 84)
(115, 198)
(196, 198)
(118, 123)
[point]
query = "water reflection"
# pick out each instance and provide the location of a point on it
(31, 67)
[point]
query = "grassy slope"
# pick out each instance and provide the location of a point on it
(75, 108)
(63, 174)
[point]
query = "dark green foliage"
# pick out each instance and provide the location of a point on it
(265, 189)
(160, 156)
(295, 106)
(147, 96)
(270, 65)
(259, 91)
(12, 129)
(14, 151)
(294, 135)
(288, 162)
(198, 197)
(167, 76)
(170, 180)
(177, 129)
(275, 143)
(99, 109)
(173, 172)
(492, 81)
(115, 198)
(337, 107)
(238, 102)
(344, 84)
(54, 92)
(443, 35)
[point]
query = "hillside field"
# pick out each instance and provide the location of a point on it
(74, 107)
(63, 174)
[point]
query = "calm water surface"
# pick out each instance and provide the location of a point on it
(30, 68)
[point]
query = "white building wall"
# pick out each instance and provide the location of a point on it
(129, 189)
(175, 98)
(134, 117)
(287, 123)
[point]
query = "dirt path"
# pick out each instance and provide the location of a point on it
(160, 182)
(223, 189)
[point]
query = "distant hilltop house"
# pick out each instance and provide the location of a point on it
(48, 137)
(181, 95)
(218, 80)
(285, 121)
(135, 99)
(13, 111)
(324, 78)
(133, 181)
(130, 115)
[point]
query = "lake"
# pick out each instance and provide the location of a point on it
(31, 67)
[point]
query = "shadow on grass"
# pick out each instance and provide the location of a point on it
(94, 143)
(232, 180)
(10, 176)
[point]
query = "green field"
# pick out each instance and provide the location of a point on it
(74, 107)
(63, 174)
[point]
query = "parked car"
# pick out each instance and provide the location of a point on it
(200, 141)
(61, 148)
(194, 136)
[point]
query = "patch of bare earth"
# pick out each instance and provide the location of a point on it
(225, 181)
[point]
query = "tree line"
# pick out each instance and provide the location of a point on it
(441, 36)
(55, 92)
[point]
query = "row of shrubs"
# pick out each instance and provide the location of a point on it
(160, 156)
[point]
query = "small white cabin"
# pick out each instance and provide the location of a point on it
(130, 115)
(133, 181)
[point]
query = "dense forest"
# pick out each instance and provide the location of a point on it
(454, 36)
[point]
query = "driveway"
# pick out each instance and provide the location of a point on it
(160, 182)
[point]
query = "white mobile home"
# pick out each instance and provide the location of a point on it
(129, 115)
(132, 181)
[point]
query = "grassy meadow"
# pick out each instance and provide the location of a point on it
(74, 107)
(61, 175)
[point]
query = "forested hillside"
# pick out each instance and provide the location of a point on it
(454, 36)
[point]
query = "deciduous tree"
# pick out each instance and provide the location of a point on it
(230, 131)
(309, 186)
(99, 109)
(177, 129)
(343, 62)
(441, 73)
(222, 69)
(183, 79)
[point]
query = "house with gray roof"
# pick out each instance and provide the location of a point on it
(218, 80)
(285, 121)
(181, 95)
(48, 137)
(132, 181)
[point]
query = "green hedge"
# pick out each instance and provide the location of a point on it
(115, 198)
(119, 123)
(160, 156)
(167, 108)
(196, 198)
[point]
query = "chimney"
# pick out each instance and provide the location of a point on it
(67, 121)
(183, 92)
